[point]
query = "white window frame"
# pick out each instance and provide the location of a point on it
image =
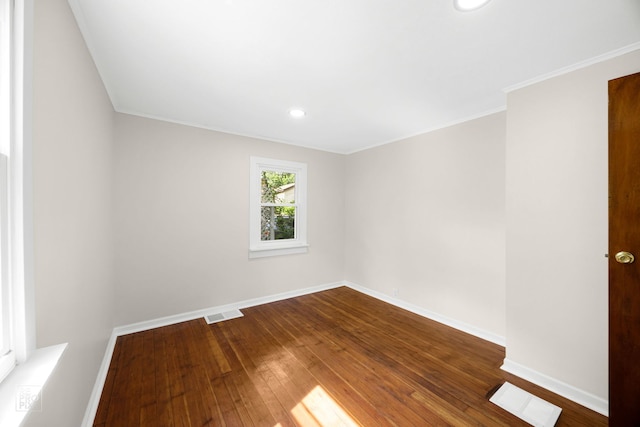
(15, 148)
(264, 248)
(7, 344)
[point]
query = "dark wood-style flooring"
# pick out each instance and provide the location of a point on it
(333, 358)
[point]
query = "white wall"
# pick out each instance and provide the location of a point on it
(426, 216)
(182, 202)
(72, 163)
(556, 237)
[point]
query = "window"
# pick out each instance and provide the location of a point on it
(7, 355)
(278, 208)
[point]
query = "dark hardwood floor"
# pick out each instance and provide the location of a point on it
(333, 358)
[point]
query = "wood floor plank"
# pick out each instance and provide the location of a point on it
(404, 328)
(226, 402)
(164, 411)
(248, 384)
(175, 368)
(267, 362)
(397, 353)
(206, 358)
(215, 350)
(148, 401)
(236, 383)
(200, 398)
(337, 357)
(127, 390)
(358, 407)
(385, 387)
(365, 375)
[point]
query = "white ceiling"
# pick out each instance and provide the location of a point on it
(367, 72)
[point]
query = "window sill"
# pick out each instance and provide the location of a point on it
(20, 390)
(287, 250)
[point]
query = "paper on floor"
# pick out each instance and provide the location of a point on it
(526, 406)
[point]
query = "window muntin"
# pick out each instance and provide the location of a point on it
(277, 208)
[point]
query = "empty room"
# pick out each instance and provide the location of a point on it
(240, 212)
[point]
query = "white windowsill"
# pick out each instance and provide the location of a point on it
(26, 381)
(284, 250)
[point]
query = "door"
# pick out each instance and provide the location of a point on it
(624, 246)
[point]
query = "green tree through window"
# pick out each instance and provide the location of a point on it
(278, 211)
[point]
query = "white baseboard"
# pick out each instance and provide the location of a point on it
(461, 326)
(96, 393)
(183, 317)
(581, 397)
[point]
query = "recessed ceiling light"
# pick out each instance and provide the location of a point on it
(467, 5)
(297, 113)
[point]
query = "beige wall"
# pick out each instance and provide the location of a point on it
(557, 225)
(426, 216)
(72, 163)
(182, 202)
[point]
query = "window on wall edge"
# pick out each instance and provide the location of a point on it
(7, 350)
(278, 208)
(24, 368)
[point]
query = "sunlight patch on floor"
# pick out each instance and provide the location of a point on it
(318, 409)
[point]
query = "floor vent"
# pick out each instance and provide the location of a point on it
(219, 317)
(526, 406)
